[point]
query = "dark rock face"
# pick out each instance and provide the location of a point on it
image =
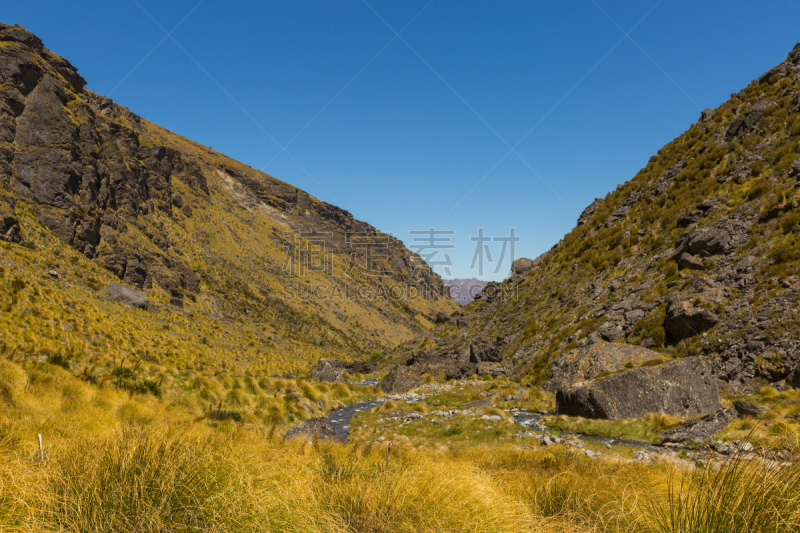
(484, 350)
(85, 177)
(306, 429)
(703, 242)
(749, 409)
(746, 124)
(794, 170)
(700, 429)
(690, 218)
(684, 387)
(688, 261)
(587, 362)
(126, 295)
(685, 320)
(588, 212)
(793, 379)
(9, 225)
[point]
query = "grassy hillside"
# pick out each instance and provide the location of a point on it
(244, 272)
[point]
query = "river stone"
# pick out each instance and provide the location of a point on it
(749, 409)
(588, 361)
(307, 428)
(126, 295)
(700, 429)
(684, 388)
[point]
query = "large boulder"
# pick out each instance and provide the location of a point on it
(400, 379)
(684, 319)
(306, 429)
(126, 295)
(749, 409)
(702, 242)
(519, 269)
(684, 387)
(328, 371)
(587, 362)
(700, 429)
(332, 371)
(484, 350)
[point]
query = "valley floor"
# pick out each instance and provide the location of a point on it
(118, 459)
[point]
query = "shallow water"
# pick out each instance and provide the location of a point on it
(530, 421)
(340, 418)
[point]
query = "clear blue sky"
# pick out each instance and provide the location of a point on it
(415, 131)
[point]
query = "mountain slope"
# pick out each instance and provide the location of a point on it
(93, 191)
(699, 253)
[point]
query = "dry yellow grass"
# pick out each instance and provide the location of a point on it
(119, 462)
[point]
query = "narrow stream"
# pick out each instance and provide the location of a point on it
(530, 421)
(340, 420)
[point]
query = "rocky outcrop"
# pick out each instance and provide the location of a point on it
(684, 319)
(332, 371)
(126, 295)
(684, 387)
(588, 362)
(484, 350)
(793, 379)
(702, 242)
(519, 268)
(700, 429)
(9, 225)
(306, 430)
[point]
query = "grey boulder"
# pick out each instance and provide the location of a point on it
(587, 362)
(684, 388)
(684, 319)
(700, 429)
(126, 295)
(749, 409)
(484, 350)
(306, 430)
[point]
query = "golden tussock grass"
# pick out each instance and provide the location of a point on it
(118, 462)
